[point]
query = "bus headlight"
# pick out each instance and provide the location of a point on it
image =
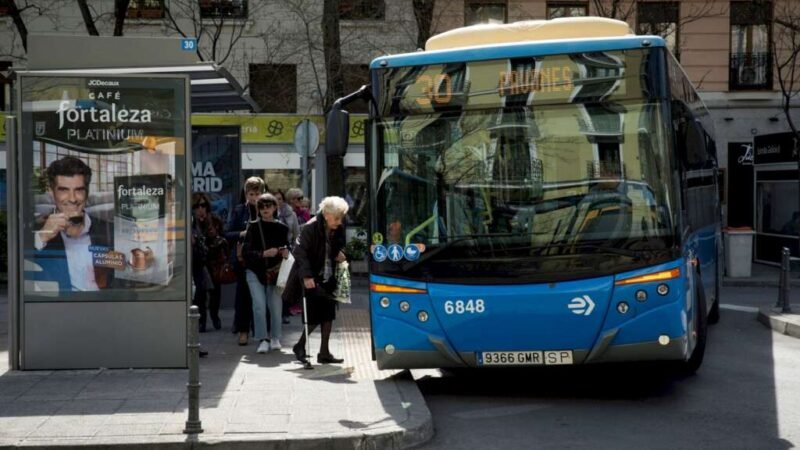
(641, 296)
(622, 307)
(389, 349)
(404, 306)
(662, 289)
(385, 302)
(422, 316)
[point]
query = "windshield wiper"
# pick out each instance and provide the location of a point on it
(601, 248)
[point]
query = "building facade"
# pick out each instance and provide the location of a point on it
(730, 49)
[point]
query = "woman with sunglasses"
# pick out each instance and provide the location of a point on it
(265, 247)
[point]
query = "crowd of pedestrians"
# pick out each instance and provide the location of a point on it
(249, 250)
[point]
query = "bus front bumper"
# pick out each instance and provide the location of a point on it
(675, 350)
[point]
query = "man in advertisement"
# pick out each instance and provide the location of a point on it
(67, 235)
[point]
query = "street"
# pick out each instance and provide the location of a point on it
(745, 396)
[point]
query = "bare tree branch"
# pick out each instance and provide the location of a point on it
(120, 13)
(16, 16)
(423, 13)
(331, 46)
(88, 20)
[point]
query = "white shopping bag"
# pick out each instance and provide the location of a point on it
(283, 274)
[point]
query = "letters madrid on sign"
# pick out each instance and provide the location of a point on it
(102, 174)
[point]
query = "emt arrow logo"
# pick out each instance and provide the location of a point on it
(582, 306)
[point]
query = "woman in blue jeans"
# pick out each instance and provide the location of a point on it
(265, 246)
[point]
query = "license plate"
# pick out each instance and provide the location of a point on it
(525, 358)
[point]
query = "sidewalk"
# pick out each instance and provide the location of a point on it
(248, 400)
(767, 277)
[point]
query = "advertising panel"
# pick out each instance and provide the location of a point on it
(102, 175)
(216, 166)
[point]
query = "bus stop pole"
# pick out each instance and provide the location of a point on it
(193, 423)
(12, 230)
(783, 290)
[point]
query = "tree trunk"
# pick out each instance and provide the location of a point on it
(423, 13)
(18, 22)
(331, 43)
(87, 18)
(120, 13)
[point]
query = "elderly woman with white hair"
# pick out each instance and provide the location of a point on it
(316, 253)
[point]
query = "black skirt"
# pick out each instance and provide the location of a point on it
(320, 305)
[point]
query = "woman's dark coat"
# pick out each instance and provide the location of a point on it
(309, 256)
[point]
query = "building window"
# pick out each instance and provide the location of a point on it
(660, 19)
(5, 8)
(146, 9)
(751, 41)
(223, 9)
(355, 76)
(5, 86)
(561, 9)
(274, 87)
(362, 9)
(485, 11)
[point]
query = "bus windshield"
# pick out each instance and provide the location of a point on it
(523, 189)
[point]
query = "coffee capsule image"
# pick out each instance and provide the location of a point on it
(141, 259)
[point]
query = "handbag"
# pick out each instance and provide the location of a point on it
(286, 268)
(342, 275)
(271, 274)
(223, 274)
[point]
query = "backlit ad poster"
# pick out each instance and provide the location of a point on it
(216, 166)
(103, 171)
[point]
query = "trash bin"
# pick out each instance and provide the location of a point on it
(739, 251)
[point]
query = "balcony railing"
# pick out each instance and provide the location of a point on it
(750, 71)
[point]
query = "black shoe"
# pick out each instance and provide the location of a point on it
(328, 359)
(299, 352)
(286, 320)
(203, 353)
(202, 328)
(217, 323)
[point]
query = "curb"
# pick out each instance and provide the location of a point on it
(788, 324)
(758, 282)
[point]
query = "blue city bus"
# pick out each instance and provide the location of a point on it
(541, 202)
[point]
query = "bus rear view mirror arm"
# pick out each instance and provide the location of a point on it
(337, 123)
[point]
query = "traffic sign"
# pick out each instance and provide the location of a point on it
(306, 137)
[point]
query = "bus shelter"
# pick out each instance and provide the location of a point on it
(100, 181)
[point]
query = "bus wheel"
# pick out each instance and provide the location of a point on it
(691, 365)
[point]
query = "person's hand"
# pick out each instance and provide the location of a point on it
(270, 253)
(56, 223)
(242, 234)
(284, 252)
(340, 257)
(309, 283)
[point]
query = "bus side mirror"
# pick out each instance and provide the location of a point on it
(337, 132)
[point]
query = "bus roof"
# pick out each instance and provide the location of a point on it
(537, 37)
(529, 30)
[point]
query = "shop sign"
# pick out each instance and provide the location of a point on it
(276, 128)
(775, 148)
